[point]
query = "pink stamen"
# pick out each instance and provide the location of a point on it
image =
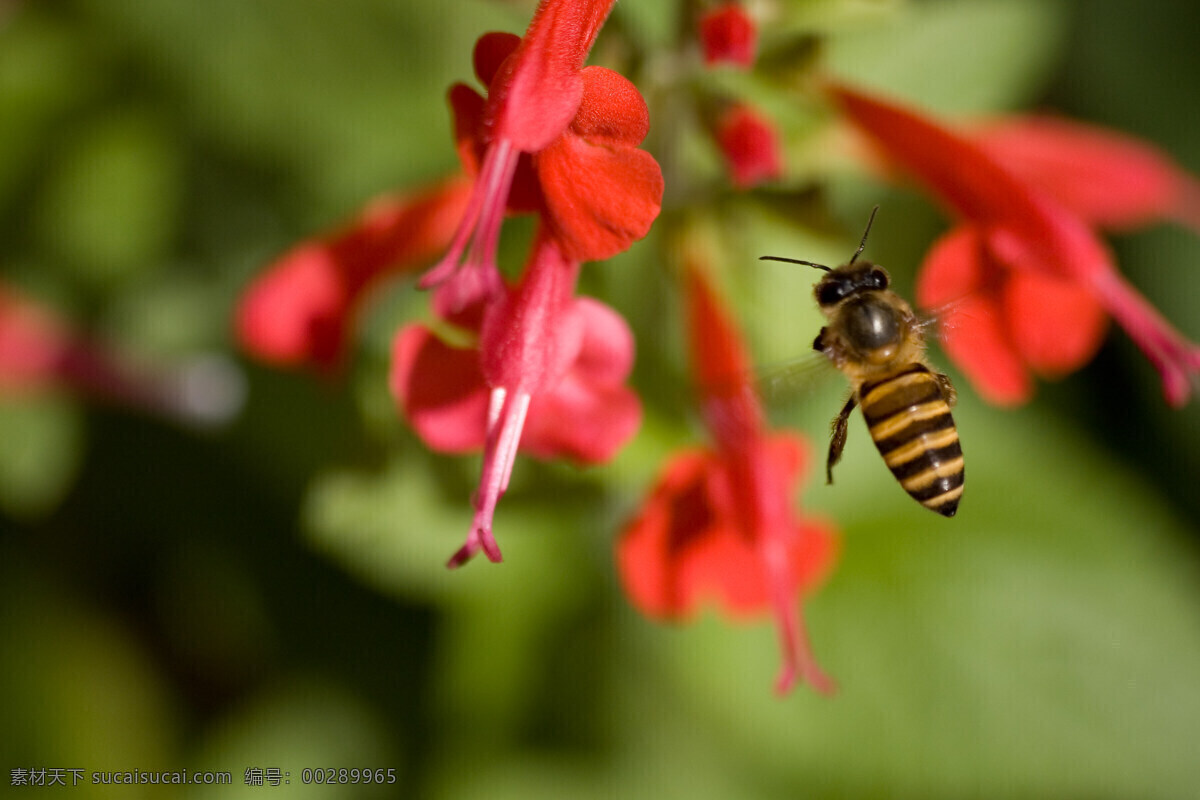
(496, 185)
(506, 419)
(481, 222)
(797, 651)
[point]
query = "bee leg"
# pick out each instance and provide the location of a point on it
(819, 342)
(838, 442)
(948, 390)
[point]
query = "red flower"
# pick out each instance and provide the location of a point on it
(559, 139)
(720, 525)
(548, 375)
(297, 313)
(579, 128)
(551, 137)
(1109, 179)
(39, 351)
(750, 145)
(728, 36)
(1030, 285)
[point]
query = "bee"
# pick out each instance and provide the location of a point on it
(876, 341)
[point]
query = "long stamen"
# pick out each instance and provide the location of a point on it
(796, 649)
(506, 420)
(479, 232)
(487, 233)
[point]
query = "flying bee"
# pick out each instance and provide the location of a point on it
(877, 342)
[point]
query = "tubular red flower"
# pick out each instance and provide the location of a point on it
(594, 189)
(728, 36)
(719, 524)
(299, 310)
(539, 88)
(548, 378)
(750, 145)
(1106, 178)
(551, 137)
(1019, 230)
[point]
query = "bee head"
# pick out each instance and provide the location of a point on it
(848, 280)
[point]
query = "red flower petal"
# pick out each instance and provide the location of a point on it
(685, 548)
(583, 422)
(296, 313)
(975, 337)
(728, 35)
(980, 189)
(299, 310)
(958, 171)
(466, 106)
(1107, 178)
(953, 268)
(973, 331)
(612, 111)
(606, 354)
(677, 511)
(1056, 325)
(440, 389)
(598, 200)
(491, 50)
(600, 193)
(535, 94)
(589, 414)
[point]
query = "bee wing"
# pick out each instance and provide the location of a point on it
(933, 322)
(794, 378)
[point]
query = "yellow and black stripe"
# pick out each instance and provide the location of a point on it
(910, 422)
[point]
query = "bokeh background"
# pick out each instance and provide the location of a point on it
(269, 592)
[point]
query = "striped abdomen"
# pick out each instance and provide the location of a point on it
(910, 422)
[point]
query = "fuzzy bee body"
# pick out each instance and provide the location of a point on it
(876, 341)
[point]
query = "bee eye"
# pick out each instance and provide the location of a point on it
(829, 294)
(878, 279)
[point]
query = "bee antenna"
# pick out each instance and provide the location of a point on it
(863, 244)
(795, 261)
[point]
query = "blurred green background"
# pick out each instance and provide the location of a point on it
(270, 593)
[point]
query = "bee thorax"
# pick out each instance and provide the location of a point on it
(869, 325)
